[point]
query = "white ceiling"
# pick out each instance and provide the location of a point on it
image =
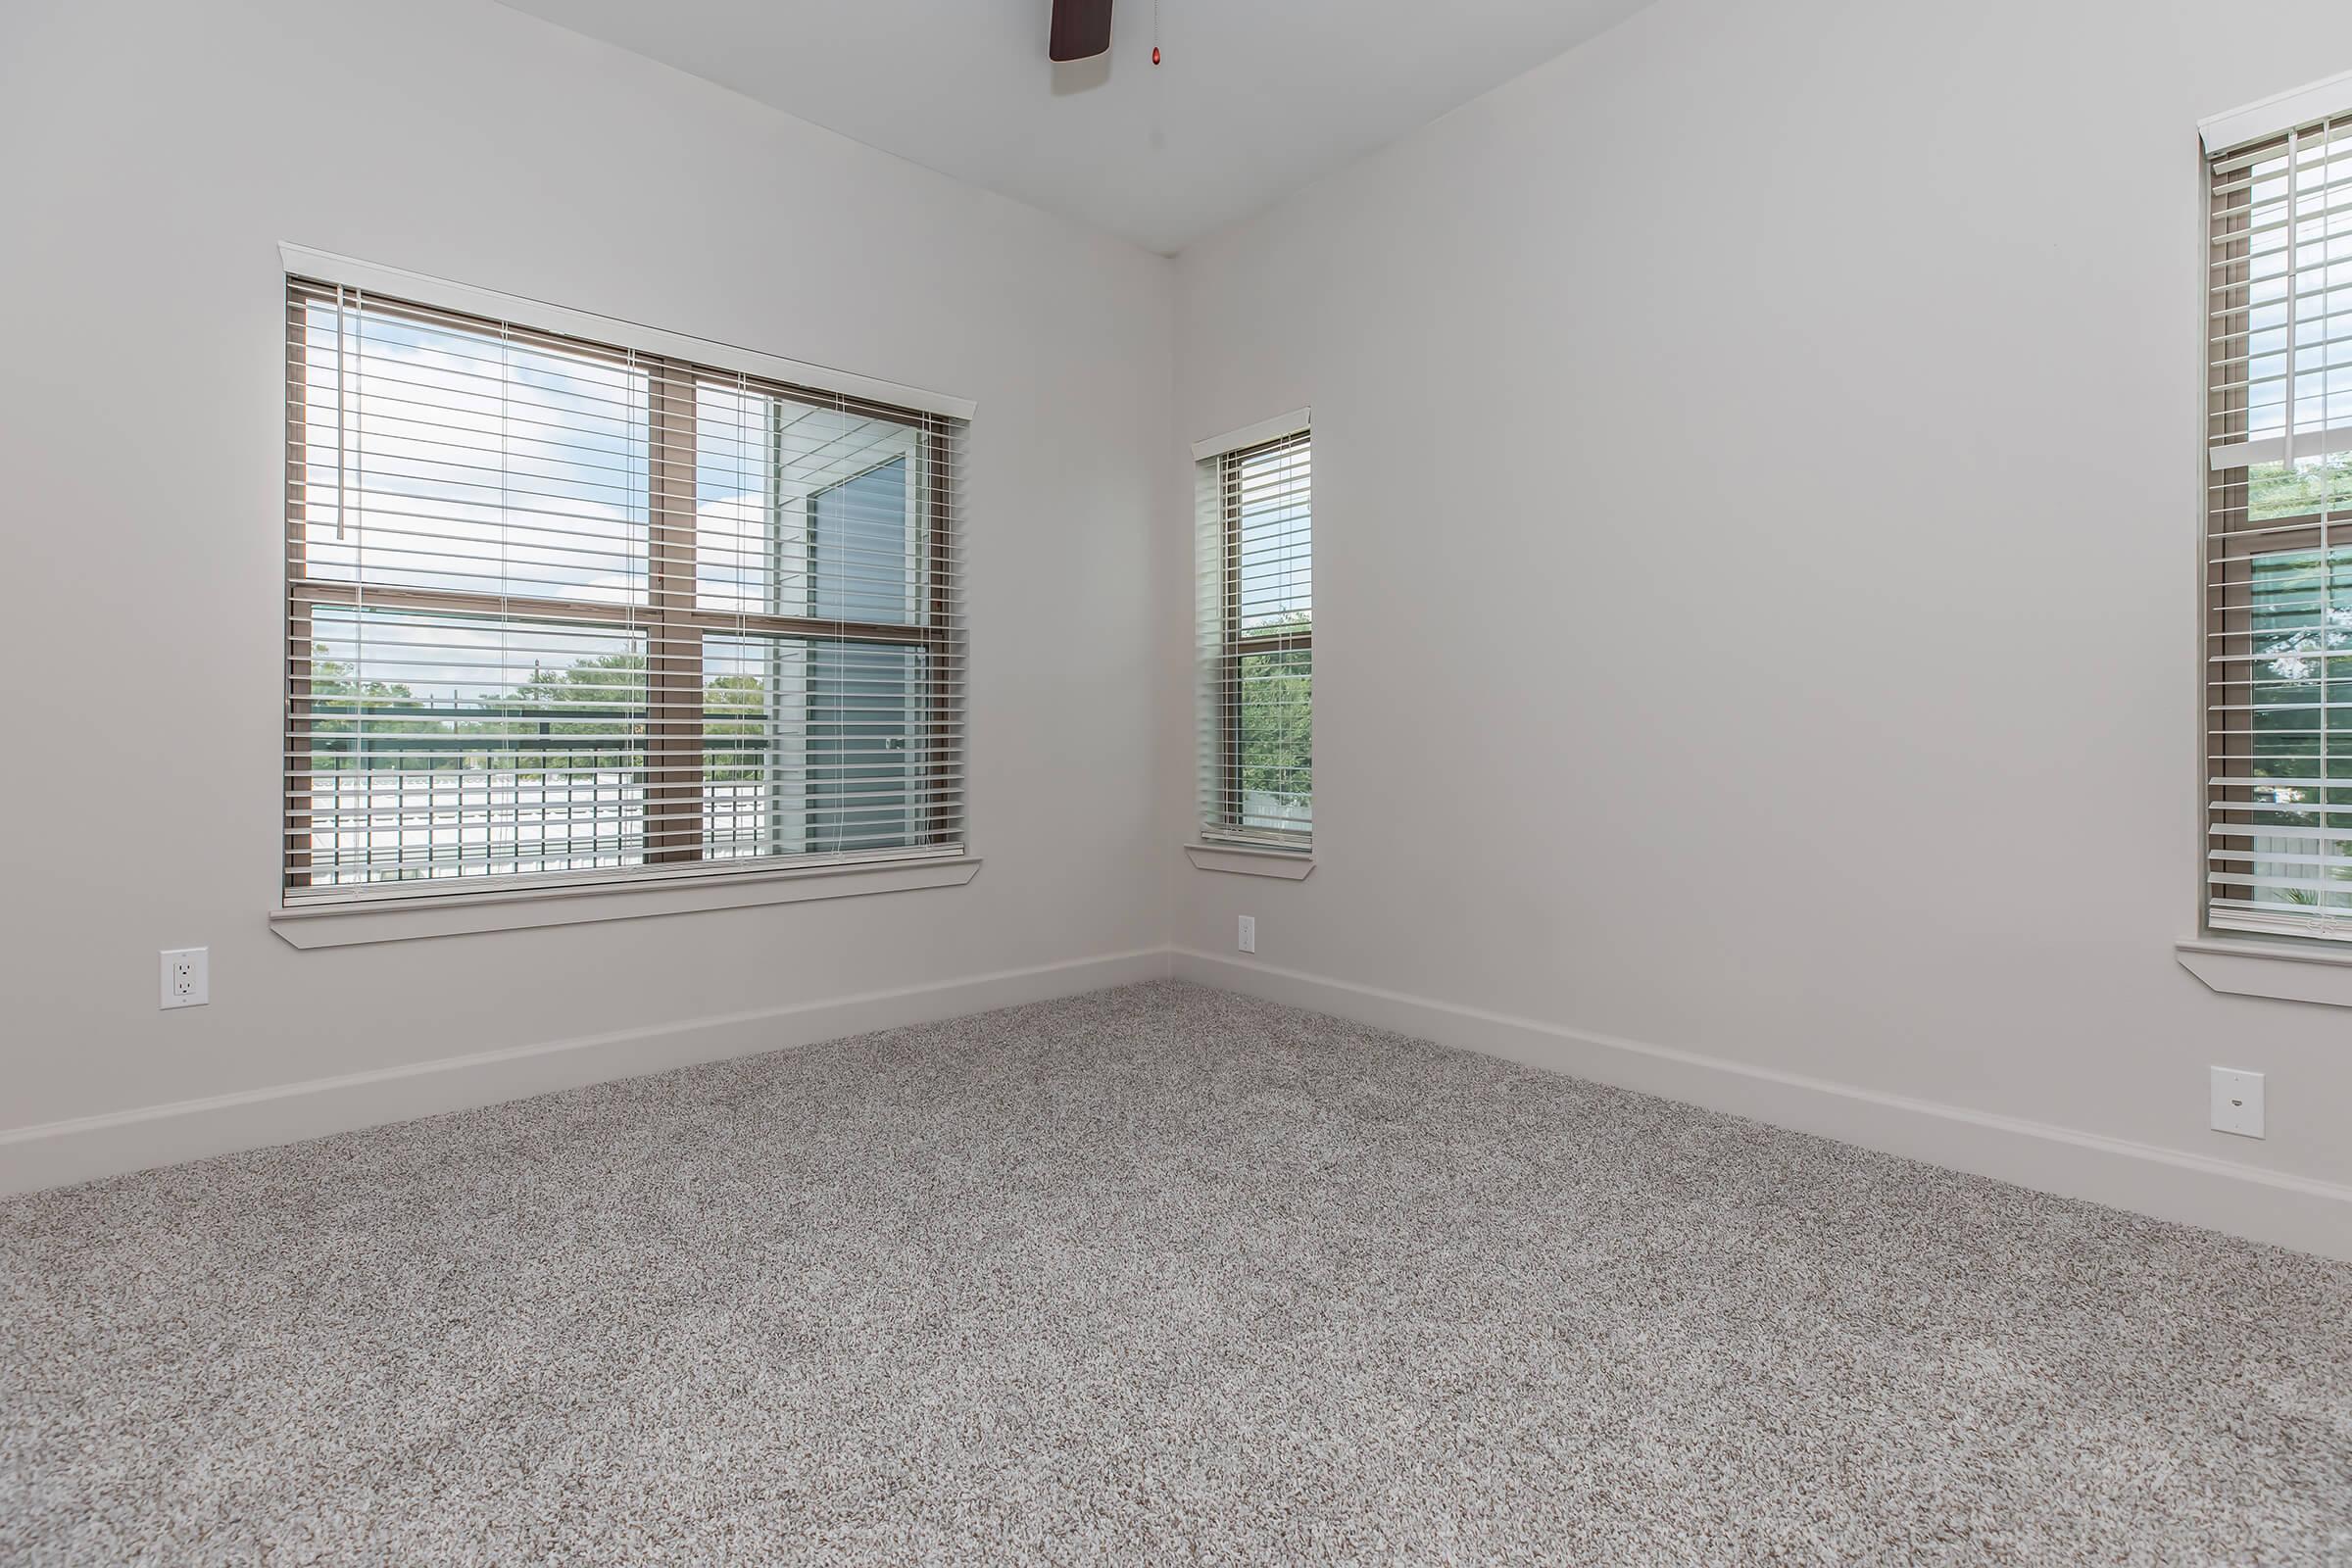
(1254, 97)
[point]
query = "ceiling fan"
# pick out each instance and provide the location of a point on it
(1081, 30)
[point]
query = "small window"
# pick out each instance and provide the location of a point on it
(560, 611)
(2279, 534)
(1257, 644)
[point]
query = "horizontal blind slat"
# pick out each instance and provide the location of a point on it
(1253, 586)
(2279, 556)
(559, 611)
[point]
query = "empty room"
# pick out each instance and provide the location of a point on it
(1149, 782)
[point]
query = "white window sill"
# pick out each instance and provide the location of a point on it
(2292, 971)
(1292, 865)
(342, 925)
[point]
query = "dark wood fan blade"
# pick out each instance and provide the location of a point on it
(1081, 29)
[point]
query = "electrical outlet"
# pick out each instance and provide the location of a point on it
(187, 977)
(2237, 1103)
(1247, 938)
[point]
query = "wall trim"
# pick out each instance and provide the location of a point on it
(2193, 1189)
(1292, 865)
(2281, 111)
(353, 921)
(2224, 1194)
(2237, 966)
(1250, 435)
(56, 1153)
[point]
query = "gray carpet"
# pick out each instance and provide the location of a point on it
(1154, 1275)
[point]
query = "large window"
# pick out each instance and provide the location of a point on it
(558, 610)
(2279, 534)
(1258, 655)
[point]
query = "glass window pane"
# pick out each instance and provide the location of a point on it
(738, 525)
(755, 752)
(865, 708)
(862, 552)
(2308, 485)
(804, 510)
(2301, 620)
(1275, 523)
(449, 458)
(811, 746)
(448, 746)
(1275, 743)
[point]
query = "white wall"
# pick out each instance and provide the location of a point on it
(156, 155)
(1756, 513)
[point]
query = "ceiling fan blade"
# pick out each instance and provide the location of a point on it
(1081, 27)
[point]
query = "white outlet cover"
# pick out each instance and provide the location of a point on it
(1247, 937)
(197, 988)
(2237, 1103)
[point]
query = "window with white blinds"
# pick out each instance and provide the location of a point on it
(563, 612)
(1257, 657)
(2279, 533)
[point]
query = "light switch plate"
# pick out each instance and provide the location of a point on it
(2237, 1103)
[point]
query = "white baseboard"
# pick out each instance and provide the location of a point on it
(56, 1153)
(2171, 1184)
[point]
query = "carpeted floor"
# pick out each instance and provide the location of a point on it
(1154, 1275)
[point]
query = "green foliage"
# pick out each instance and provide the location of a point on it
(338, 704)
(1277, 739)
(1276, 718)
(2276, 490)
(590, 715)
(2301, 618)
